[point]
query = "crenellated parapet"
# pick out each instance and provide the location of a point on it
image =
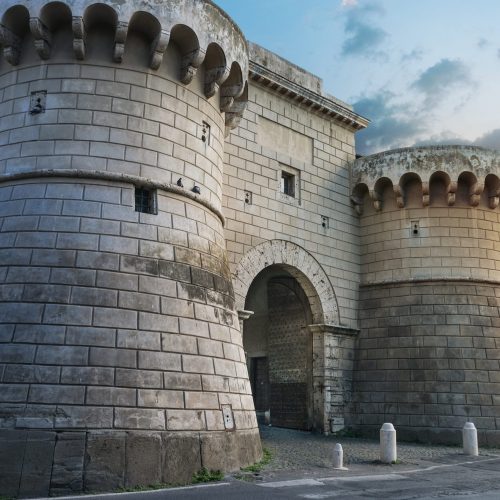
(202, 33)
(440, 175)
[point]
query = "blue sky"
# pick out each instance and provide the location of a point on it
(423, 71)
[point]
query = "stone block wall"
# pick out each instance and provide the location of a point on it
(291, 127)
(278, 134)
(332, 373)
(116, 320)
(120, 345)
(428, 360)
(427, 354)
(452, 242)
(113, 119)
(105, 296)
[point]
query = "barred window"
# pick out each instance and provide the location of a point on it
(145, 200)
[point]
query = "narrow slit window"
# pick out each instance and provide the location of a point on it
(287, 183)
(145, 200)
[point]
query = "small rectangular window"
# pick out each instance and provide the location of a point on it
(287, 183)
(145, 200)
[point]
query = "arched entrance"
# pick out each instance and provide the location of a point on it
(278, 280)
(278, 347)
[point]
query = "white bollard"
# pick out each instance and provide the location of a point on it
(267, 417)
(338, 457)
(469, 437)
(388, 453)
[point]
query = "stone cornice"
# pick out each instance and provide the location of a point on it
(334, 329)
(306, 97)
(431, 281)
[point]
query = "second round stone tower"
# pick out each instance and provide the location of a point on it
(121, 355)
(428, 350)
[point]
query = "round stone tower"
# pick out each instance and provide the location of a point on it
(429, 348)
(121, 357)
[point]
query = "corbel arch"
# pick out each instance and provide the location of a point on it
(492, 190)
(441, 189)
(14, 26)
(379, 192)
(233, 88)
(149, 29)
(216, 70)
(358, 197)
(469, 189)
(192, 55)
(411, 191)
(99, 22)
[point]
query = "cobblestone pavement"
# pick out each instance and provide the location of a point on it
(297, 450)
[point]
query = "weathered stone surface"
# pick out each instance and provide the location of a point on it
(139, 418)
(229, 449)
(181, 457)
(105, 461)
(455, 388)
(67, 470)
(13, 444)
(37, 464)
(137, 307)
(143, 459)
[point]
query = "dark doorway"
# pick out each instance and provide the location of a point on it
(259, 372)
(279, 349)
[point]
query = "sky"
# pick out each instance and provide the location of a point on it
(423, 71)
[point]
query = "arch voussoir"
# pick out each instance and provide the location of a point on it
(300, 264)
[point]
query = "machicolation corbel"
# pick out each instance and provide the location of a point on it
(42, 37)
(78, 37)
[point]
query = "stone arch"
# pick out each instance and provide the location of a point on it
(216, 70)
(192, 55)
(492, 190)
(301, 265)
(440, 189)
(380, 193)
(14, 26)
(411, 190)
(469, 189)
(358, 196)
(232, 88)
(98, 33)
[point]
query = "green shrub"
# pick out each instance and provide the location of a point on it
(206, 476)
(258, 466)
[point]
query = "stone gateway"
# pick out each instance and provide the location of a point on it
(188, 245)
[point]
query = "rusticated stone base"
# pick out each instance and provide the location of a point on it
(42, 463)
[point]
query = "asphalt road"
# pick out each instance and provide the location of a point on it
(460, 478)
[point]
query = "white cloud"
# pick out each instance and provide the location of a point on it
(442, 78)
(349, 3)
(364, 37)
(392, 125)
